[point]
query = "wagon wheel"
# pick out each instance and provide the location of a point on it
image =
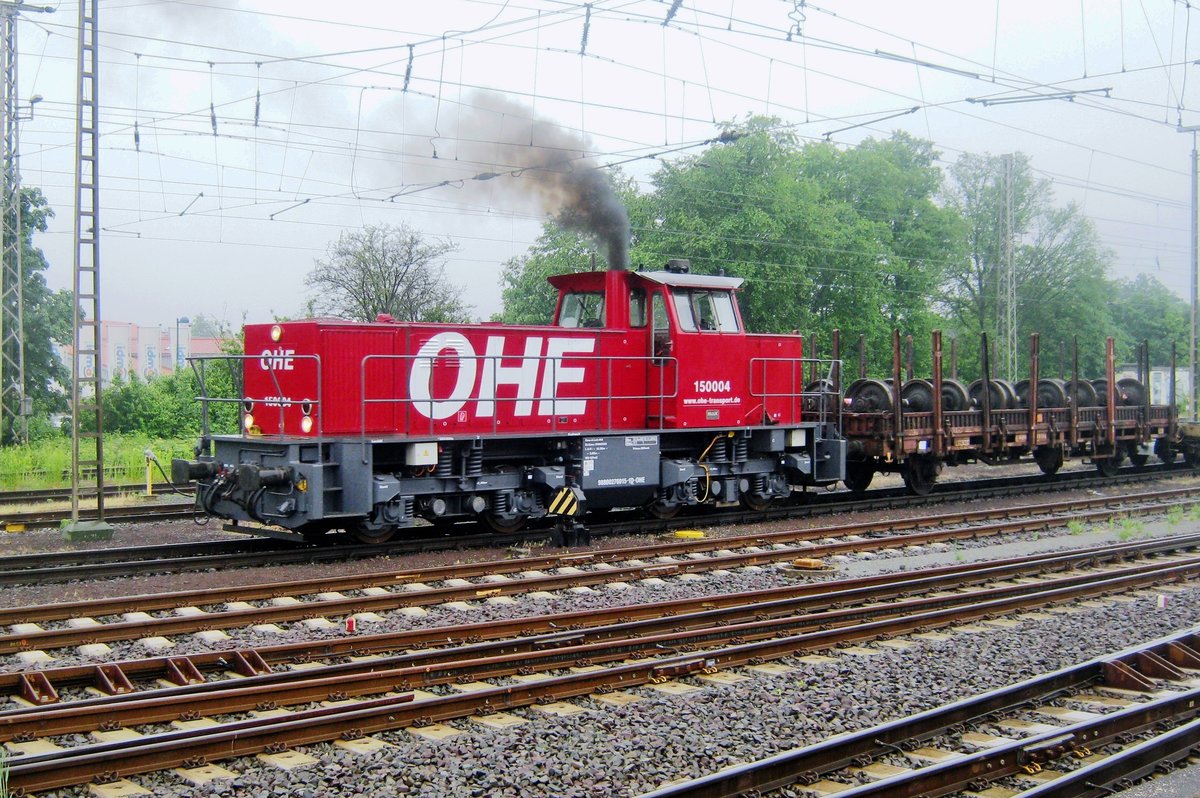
(1081, 393)
(954, 396)
(1052, 393)
(1022, 389)
(919, 474)
(1108, 466)
(1131, 392)
(372, 534)
(1191, 457)
(1136, 458)
(1165, 451)
(999, 394)
(858, 475)
(869, 396)
(826, 399)
(1049, 459)
(1010, 393)
(504, 524)
(917, 396)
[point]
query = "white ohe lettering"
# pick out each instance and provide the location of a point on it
(492, 373)
(277, 360)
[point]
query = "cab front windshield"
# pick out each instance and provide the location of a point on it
(582, 309)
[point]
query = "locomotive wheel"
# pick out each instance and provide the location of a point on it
(1049, 459)
(371, 535)
(858, 475)
(756, 503)
(504, 525)
(663, 512)
(919, 474)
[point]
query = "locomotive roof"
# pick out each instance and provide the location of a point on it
(691, 280)
(673, 279)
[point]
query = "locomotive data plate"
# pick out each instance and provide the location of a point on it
(619, 462)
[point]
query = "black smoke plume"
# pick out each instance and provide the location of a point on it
(537, 158)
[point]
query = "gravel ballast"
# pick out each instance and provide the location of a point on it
(627, 751)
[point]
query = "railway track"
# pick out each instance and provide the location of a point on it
(85, 564)
(147, 513)
(8, 497)
(183, 613)
(1087, 730)
(542, 660)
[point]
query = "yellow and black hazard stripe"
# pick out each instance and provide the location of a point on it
(567, 501)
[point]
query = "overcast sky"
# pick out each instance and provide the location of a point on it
(331, 116)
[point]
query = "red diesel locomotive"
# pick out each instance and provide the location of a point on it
(645, 391)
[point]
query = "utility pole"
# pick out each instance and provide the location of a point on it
(1006, 283)
(1194, 391)
(14, 407)
(87, 445)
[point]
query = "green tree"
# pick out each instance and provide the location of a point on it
(825, 238)
(526, 296)
(47, 319)
(1058, 262)
(205, 326)
(385, 269)
(1143, 309)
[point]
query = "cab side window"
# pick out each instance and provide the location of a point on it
(582, 309)
(683, 310)
(704, 310)
(637, 308)
(662, 326)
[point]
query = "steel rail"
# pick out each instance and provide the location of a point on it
(807, 764)
(154, 752)
(64, 494)
(58, 638)
(884, 585)
(101, 563)
(1008, 759)
(535, 654)
(1121, 769)
(393, 578)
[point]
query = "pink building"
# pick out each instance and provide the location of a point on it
(129, 349)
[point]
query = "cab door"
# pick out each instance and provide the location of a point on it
(662, 379)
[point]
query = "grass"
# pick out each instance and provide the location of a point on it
(47, 463)
(1130, 529)
(1076, 527)
(1175, 515)
(1194, 513)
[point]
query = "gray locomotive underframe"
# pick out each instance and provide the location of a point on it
(352, 480)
